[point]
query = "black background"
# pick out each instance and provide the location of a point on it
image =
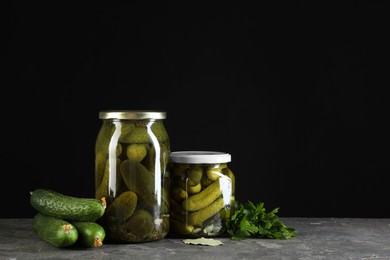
(298, 96)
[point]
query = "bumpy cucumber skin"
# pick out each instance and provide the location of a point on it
(56, 232)
(54, 204)
(91, 234)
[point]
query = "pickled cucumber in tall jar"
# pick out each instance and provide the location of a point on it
(131, 173)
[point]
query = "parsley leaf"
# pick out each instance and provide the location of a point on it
(251, 221)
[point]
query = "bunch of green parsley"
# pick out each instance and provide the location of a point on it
(252, 221)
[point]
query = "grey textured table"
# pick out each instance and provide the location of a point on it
(317, 238)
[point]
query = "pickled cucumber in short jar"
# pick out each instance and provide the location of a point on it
(131, 173)
(201, 194)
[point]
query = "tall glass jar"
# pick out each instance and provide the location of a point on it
(131, 156)
(202, 193)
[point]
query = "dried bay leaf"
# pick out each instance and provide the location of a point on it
(203, 241)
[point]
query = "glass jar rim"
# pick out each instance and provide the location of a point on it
(132, 114)
(199, 157)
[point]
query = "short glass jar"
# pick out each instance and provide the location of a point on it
(132, 151)
(202, 193)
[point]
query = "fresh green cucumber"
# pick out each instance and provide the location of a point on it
(91, 234)
(55, 231)
(65, 207)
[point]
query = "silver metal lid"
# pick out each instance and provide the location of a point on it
(132, 114)
(198, 157)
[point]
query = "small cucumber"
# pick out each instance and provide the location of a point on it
(65, 207)
(56, 232)
(91, 234)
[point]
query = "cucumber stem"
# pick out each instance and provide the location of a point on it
(104, 203)
(67, 228)
(97, 242)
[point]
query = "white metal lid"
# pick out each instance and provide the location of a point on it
(199, 157)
